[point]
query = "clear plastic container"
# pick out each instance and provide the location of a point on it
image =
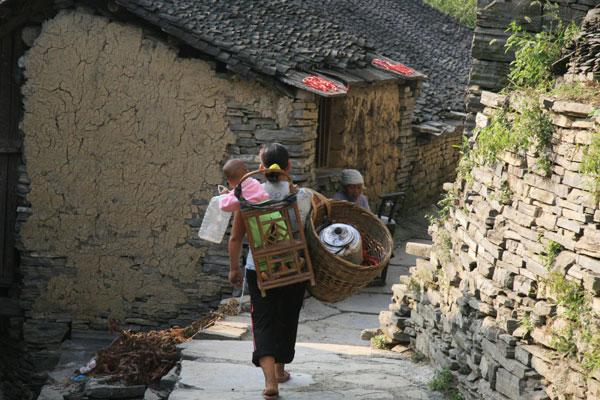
(215, 221)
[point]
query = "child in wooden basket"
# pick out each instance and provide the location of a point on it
(253, 192)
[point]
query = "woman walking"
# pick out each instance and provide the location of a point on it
(274, 317)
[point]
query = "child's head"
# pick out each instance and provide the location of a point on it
(234, 171)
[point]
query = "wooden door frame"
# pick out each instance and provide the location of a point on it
(11, 48)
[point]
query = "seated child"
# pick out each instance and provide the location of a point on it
(252, 190)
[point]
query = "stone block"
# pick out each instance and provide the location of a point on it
(544, 309)
(589, 243)
(544, 196)
(508, 384)
(488, 368)
(542, 336)
(493, 100)
(572, 108)
(513, 259)
(569, 225)
(45, 333)
(368, 334)
(418, 249)
(590, 263)
(578, 216)
(522, 355)
(98, 389)
(562, 121)
(503, 277)
(591, 282)
(577, 180)
(524, 285)
(593, 386)
(569, 244)
(546, 220)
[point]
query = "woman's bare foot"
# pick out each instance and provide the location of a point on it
(283, 377)
(270, 394)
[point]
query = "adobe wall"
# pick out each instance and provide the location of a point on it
(482, 301)
(124, 144)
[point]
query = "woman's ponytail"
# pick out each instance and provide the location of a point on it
(275, 156)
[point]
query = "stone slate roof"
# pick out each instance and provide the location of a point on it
(286, 39)
(586, 56)
(419, 36)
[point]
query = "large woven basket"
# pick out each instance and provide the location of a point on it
(335, 278)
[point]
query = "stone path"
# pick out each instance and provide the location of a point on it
(331, 362)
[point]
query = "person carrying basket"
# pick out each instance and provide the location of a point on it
(274, 316)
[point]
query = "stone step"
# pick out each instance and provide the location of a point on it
(222, 331)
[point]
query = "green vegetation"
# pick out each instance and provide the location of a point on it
(446, 203)
(584, 92)
(550, 253)
(379, 342)
(465, 11)
(413, 285)
(446, 245)
(445, 383)
(535, 53)
(590, 164)
(579, 331)
(418, 357)
(526, 323)
(528, 130)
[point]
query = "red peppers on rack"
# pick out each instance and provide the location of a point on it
(395, 67)
(321, 84)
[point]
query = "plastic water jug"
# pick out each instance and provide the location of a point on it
(215, 221)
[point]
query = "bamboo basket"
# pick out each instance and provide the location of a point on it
(335, 278)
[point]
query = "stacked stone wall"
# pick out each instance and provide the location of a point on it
(436, 160)
(490, 60)
(483, 300)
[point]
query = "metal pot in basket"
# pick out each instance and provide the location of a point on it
(344, 241)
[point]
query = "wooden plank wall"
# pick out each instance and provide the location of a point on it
(10, 151)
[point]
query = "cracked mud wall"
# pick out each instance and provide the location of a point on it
(122, 139)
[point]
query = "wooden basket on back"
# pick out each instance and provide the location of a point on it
(276, 238)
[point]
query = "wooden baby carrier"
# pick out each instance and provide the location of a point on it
(276, 238)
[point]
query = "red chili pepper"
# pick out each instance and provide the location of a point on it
(321, 84)
(395, 67)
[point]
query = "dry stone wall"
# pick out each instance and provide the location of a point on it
(490, 299)
(490, 60)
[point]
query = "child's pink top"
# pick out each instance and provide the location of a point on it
(252, 191)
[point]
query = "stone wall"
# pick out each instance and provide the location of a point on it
(490, 61)
(437, 155)
(487, 301)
